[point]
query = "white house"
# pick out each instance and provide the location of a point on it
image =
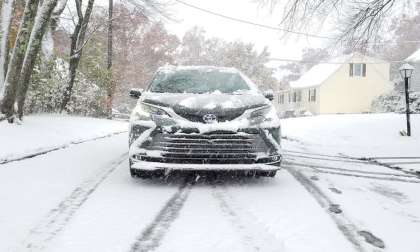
(346, 84)
(414, 59)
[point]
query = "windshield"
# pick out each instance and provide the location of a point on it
(198, 82)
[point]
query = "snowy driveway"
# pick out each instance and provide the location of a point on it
(82, 198)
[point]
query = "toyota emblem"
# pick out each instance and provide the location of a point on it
(210, 118)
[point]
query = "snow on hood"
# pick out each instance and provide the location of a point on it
(206, 102)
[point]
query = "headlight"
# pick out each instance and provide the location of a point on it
(146, 112)
(260, 112)
(263, 114)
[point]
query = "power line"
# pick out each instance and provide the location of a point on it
(331, 62)
(252, 23)
(275, 27)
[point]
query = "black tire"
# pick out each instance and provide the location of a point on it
(135, 173)
(270, 174)
(142, 174)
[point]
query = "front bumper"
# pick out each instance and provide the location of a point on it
(165, 167)
(249, 149)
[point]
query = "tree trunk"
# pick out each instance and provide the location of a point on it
(76, 48)
(110, 86)
(35, 42)
(15, 64)
(5, 22)
(57, 13)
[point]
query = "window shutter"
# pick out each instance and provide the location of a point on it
(364, 70)
(309, 95)
(314, 95)
(351, 69)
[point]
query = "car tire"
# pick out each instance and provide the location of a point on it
(143, 174)
(271, 174)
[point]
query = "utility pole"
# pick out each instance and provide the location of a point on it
(110, 88)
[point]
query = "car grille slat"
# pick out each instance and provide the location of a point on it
(204, 150)
(216, 148)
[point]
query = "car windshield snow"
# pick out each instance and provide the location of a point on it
(198, 82)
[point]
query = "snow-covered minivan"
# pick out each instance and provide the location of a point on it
(203, 118)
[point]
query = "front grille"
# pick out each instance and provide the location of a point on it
(197, 116)
(216, 148)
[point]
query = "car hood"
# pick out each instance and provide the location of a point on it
(228, 106)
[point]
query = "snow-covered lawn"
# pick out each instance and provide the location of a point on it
(358, 135)
(381, 201)
(40, 133)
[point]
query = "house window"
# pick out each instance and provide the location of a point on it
(358, 69)
(312, 95)
(297, 96)
(281, 98)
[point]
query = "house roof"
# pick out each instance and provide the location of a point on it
(415, 57)
(319, 73)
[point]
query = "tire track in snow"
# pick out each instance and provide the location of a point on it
(57, 219)
(56, 148)
(152, 235)
(349, 170)
(347, 228)
(356, 173)
(254, 235)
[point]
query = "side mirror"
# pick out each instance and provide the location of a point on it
(269, 95)
(135, 93)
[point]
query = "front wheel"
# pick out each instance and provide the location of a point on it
(135, 173)
(142, 174)
(271, 174)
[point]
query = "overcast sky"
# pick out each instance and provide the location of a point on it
(231, 30)
(187, 17)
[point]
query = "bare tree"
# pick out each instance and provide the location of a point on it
(111, 86)
(15, 64)
(34, 45)
(61, 5)
(358, 21)
(28, 42)
(76, 47)
(5, 21)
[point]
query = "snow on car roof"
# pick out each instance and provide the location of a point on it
(415, 57)
(168, 69)
(171, 68)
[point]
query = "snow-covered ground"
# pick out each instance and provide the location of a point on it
(41, 133)
(359, 135)
(375, 197)
(82, 198)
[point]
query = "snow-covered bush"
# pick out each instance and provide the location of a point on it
(48, 82)
(394, 101)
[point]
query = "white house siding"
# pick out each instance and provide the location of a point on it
(298, 107)
(341, 93)
(414, 60)
(415, 80)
